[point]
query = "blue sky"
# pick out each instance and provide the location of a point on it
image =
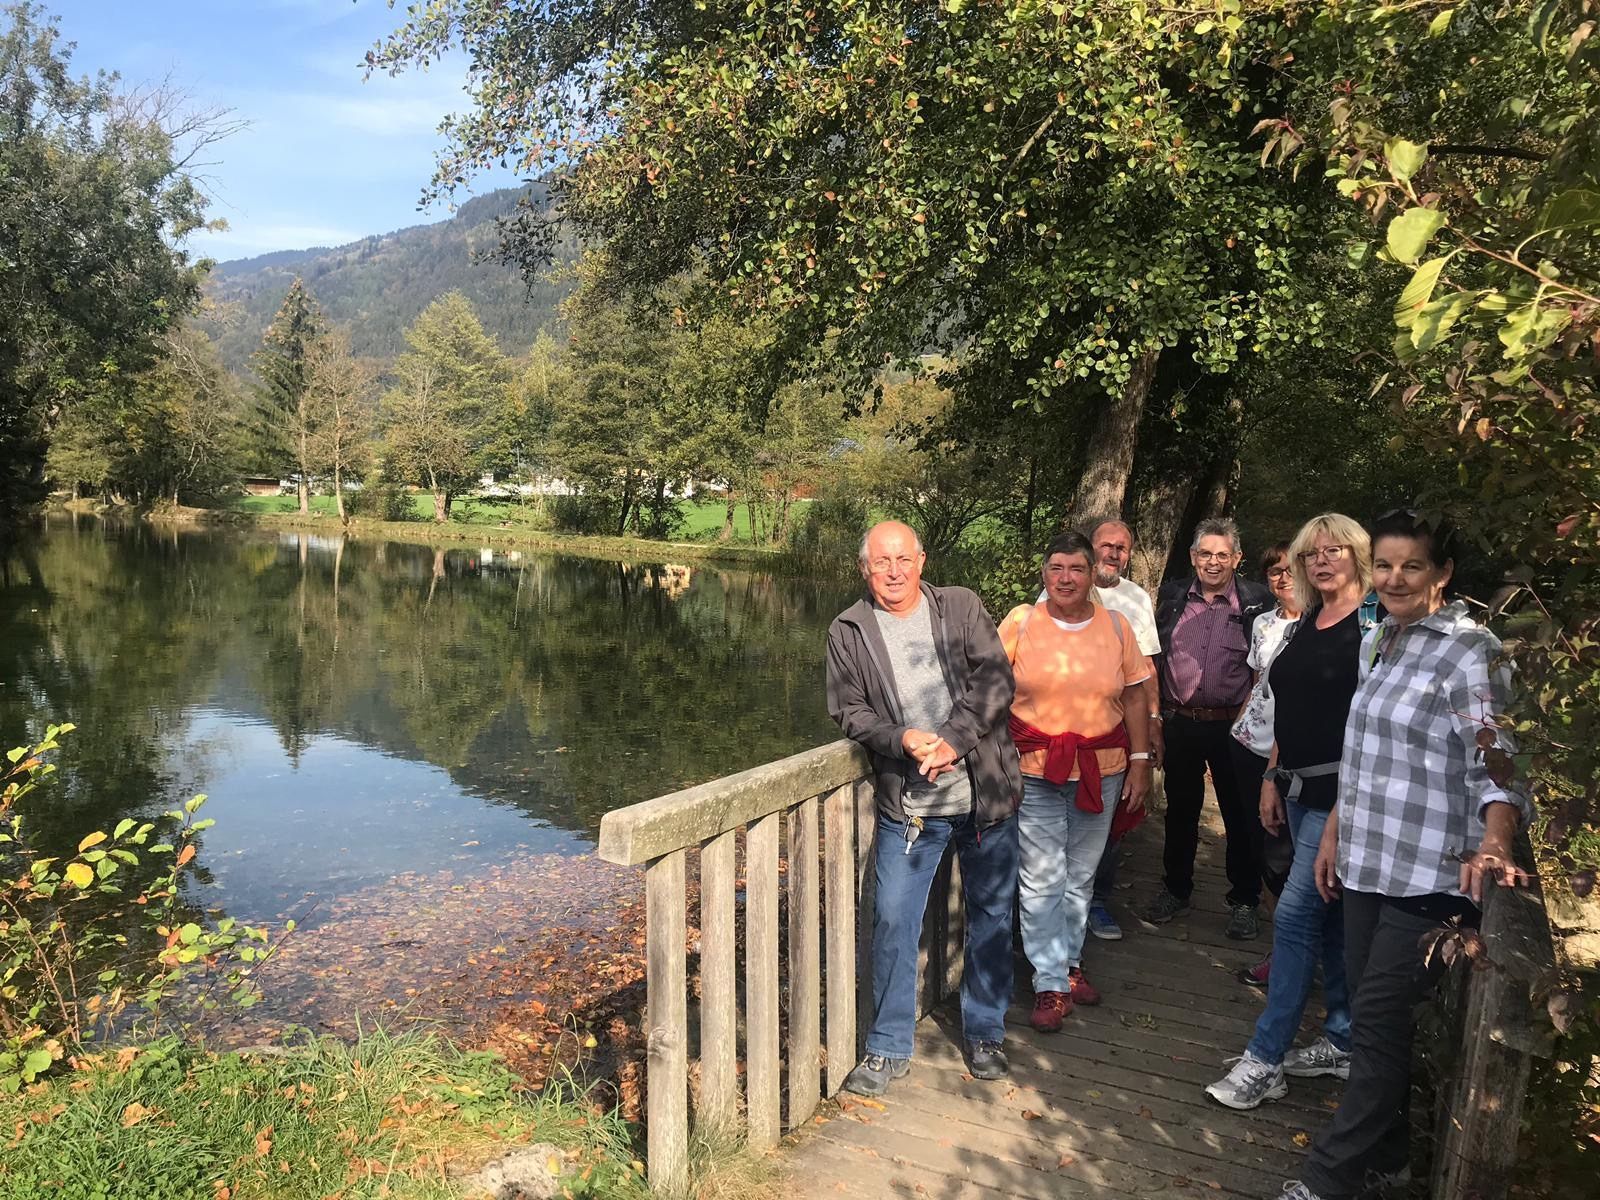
(327, 157)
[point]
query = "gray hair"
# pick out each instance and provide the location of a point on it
(1216, 527)
(1096, 524)
(861, 554)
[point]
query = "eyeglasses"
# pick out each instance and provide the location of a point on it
(1330, 554)
(1212, 555)
(1277, 572)
(882, 566)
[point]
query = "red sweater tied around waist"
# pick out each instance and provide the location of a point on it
(1063, 750)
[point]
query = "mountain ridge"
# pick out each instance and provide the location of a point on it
(377, 285)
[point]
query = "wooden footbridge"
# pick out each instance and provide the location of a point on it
(755, 991)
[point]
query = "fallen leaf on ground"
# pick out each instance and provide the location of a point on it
(1029, 1115)
(1302, 1138)
(1146, 1113)
(264, 1142)
(1066, 1160)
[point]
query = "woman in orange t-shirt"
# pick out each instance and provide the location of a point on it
(1083, 731)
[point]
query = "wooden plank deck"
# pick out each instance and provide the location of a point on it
(1109, 1108)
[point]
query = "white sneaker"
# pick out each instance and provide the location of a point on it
(1321, 1057)
(1295, 1190)
(1248, 1083)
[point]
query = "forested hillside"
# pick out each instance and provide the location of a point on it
(378, 285)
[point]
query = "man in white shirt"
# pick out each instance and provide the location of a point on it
(1113, 547)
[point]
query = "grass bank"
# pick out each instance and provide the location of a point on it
(497, 525)
(406, 1117)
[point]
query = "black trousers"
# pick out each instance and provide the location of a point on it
(1370, 1133)
(1277, 851)
(1192, 746)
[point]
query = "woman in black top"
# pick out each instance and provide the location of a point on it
(1312, 680)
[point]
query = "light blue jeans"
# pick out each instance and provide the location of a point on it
(1305, 931)
(1059, 849)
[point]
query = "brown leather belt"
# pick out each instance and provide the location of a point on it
(1209, 714)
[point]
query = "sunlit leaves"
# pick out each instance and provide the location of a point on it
(1411, 231)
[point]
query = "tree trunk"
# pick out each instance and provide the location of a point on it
(1158, 516)
(338, 493)
(782, 530)
(661, 499)
(441, 503)
(1104, 484)
(1030, 501)
(627, 502)
(727, 520)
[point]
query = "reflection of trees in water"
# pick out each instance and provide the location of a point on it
(561, 686)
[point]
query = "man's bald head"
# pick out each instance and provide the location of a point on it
(891, 561)
(1113, 547)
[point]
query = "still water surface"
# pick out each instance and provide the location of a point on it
(357, 710)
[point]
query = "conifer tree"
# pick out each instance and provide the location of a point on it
(283, 365)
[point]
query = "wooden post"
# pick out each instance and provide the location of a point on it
(932, 944)
(1503, 1030)
(839, 848)
(719, 1016)
(955, 933)
(805, 982)
(761, 981)
(668, 1037)
(866, 905)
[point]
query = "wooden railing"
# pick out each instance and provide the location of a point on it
(1495, 1010)
(829, 894)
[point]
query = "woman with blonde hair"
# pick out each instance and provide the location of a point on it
(1311, 680)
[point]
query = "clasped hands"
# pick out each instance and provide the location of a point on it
(933, 754)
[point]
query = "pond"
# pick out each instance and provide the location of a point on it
(358, 710)
(406, 749)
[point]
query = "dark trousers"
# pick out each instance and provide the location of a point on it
(1370, 1133)
(1277, 851)
(1192, 746)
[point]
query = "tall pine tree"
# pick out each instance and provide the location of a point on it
(283, 365)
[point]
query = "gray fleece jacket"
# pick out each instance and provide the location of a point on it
(863, 701)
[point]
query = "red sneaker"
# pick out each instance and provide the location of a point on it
(1049, 1010)
(1257, 975)
(1083, 992)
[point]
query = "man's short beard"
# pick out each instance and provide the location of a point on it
(1106, 577)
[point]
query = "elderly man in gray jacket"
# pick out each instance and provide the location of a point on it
(917, 676)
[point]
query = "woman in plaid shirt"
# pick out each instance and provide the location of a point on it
(1420, 822)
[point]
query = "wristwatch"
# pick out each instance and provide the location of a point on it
(1140, 756)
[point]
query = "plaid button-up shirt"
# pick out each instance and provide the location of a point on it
(1412, 780)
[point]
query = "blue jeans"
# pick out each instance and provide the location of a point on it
(989, 888)
(1305, 930)
(1060, 847)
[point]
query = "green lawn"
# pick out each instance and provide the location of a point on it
(702, 518)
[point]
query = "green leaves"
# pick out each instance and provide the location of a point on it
(1405, 158)
(1411, 231)
(1418, 291)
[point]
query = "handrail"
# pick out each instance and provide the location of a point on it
(818, 808)
(1498, 997)
(636, 834)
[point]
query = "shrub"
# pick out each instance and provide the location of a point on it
(584, 514)
(85, 937)
(382, 500)
(828, 535)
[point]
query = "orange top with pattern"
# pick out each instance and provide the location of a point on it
(1071, 680)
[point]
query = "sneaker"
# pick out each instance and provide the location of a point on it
(873, 1073)
(1321, 1057)
(1257, 975)
(1243, 925)
(1049, 1010)
(1164, 908)
(1102, 924)
(1081, 990)
(1248, 1083)
(987, 1060)
(1295, 1190)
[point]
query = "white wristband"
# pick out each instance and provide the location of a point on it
(1140, 756)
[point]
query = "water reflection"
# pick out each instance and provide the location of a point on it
(357, 709)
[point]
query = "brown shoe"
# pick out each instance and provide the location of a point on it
(1049, 1010)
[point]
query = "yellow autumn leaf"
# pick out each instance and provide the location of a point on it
(94, 839)
(80, 874)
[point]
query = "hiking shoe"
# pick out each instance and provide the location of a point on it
(1295, 1190)
(1321, 1057)
(1248, 1083)
(1102, 924)
(1049, 1010)
(1383, 1183)
(1081, 990)
(872, 1074)
(1243, 923)
(1257, 975)
(987, 1060)
(1163, 908)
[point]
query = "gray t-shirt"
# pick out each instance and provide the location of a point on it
(925, 702)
